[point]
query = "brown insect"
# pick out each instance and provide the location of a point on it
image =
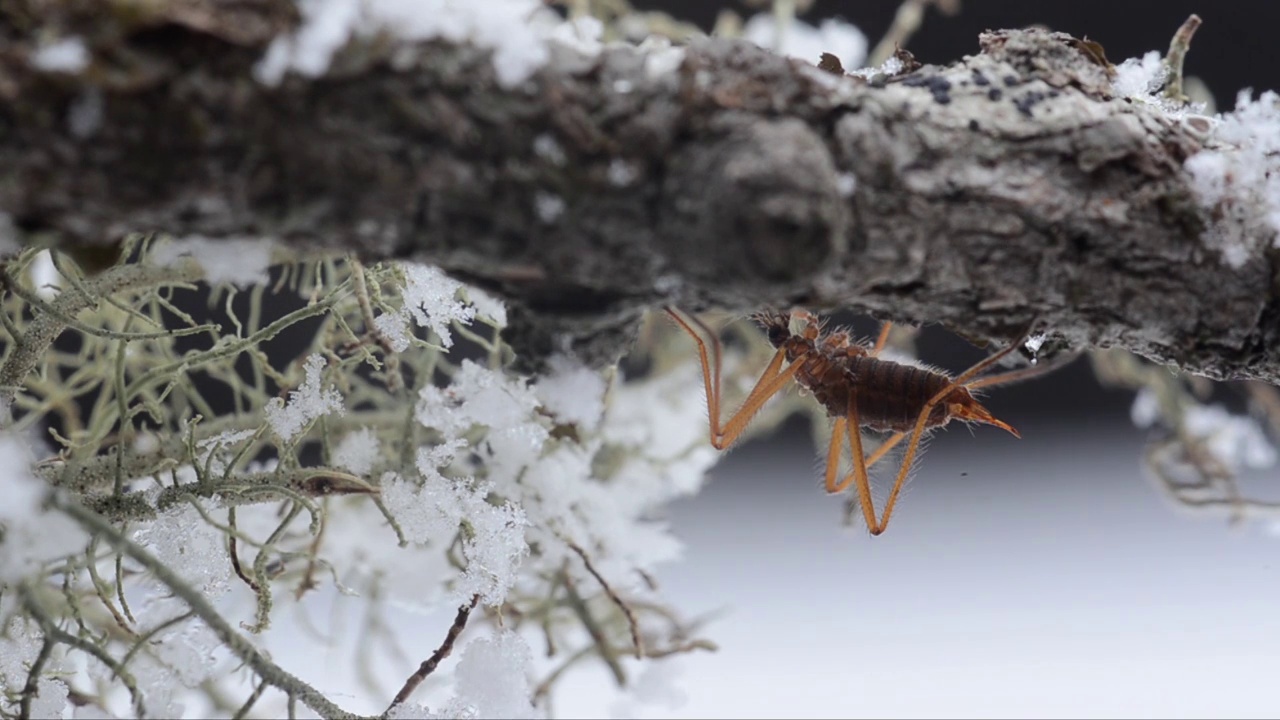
(859, 389)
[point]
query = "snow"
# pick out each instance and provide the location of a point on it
(517, 31)
(67, 55)
(548, 206)
(430, 300)
(846, 183)
(1237, 179)
(572, 392)
(240, 261)
(1137, 77)
(806, 42)
(182, 540)
(621, 173)
(548, 148)
(31, 536)
(305, 404)
(492, 678)
(1236, 441)
(358, 451)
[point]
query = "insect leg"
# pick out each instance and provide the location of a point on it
(881, 341)
(770, 382)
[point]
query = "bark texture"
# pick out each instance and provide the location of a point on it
(1008, 187)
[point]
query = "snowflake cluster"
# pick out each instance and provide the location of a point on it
(1237, 178)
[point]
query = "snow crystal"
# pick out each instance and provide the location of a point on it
(493, 543)
(1237, 179)
(549, 207)
(581, 34)
(68, 55)
(431, 301)
(801, 40)
(487, 306)
(492, 678)
(891, 66)
(307, 403)
(50, 700)
(241, 261)
(1138, 77)
(477, 396)
(358, 451)
(1034, 343)
(182, 541)
(572, 392)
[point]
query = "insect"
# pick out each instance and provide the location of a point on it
(859, 388)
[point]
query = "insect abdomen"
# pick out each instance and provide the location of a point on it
(890, 395)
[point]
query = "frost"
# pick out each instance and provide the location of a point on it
(1034, 343)
(549, 207)
(241, 261)
(1137, 77)
(305, 404)
(30, 536)
(431, 301)
(1237, 180)
(572, 392)
(358, 451)
(801, 40)
(492, 679)
(68, 55)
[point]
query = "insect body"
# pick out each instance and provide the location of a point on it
(857, 388)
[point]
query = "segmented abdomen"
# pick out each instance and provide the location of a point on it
(890, 395)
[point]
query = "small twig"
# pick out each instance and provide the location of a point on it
(1177, 54)
(617, 600)
(601, 643)
(429, 665)
(235, 555)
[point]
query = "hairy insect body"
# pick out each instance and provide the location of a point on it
(890, 395)
(858, 389)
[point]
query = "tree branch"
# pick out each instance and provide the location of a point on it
(1008, 186)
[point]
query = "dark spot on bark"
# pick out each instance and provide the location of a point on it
(979, 79)
(1010, 80)
(995, 93)
(973, 125)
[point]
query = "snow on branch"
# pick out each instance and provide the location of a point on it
(585, 181)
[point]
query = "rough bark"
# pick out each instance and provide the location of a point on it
(1009, 186)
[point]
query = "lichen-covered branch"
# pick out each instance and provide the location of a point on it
(1013, 184)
